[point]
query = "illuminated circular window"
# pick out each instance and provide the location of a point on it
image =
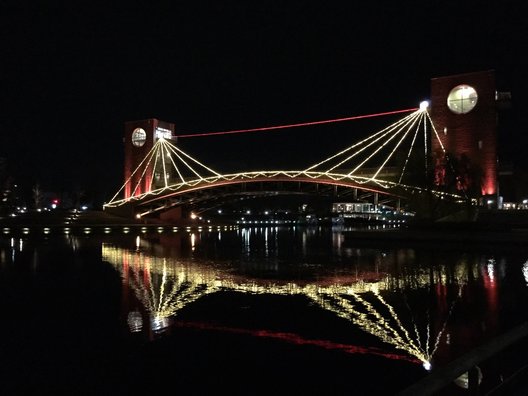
(139, 137)
(462, 99)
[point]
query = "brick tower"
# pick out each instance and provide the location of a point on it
(464, 112)
(140, 137)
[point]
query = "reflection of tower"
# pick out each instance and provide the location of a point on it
(464, 112)
(140, 137)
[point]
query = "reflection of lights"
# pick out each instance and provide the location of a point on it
(491, 269)
(193, 240)
(138, 242)
(158, 323)
(297, 340)
(388, 328)
(162, 289)
(525, 271)
(165, 286)
(135, 321)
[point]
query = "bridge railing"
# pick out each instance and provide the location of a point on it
(441, 378)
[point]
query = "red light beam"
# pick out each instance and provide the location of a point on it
(297, 125)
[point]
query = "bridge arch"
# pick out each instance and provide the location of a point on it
(194, 192)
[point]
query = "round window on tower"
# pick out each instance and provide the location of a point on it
(462, 99)
(139, 137)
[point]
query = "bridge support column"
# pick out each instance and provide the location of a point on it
(376, 200)
(355, 194)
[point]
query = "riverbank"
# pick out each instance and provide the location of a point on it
(88, 222)
(505, 227)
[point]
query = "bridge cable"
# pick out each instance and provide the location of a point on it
(310, 123)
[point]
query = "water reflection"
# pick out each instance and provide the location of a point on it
(392, 295)
(425, 304)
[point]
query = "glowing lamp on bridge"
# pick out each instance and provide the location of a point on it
(424, 105)
(163, 133)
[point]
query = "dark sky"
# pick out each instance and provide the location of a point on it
(71, 76)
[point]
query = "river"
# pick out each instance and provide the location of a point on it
(256, 310)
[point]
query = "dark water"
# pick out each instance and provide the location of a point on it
(251, 311)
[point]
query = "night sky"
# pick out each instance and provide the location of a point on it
(70, 78)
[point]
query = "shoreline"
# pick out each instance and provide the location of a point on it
(507, 230)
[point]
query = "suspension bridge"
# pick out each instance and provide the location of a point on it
(389, 165)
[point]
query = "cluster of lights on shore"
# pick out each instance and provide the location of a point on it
(191, 174)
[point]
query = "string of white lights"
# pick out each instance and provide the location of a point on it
(176, 166)
(127, 181)
(165, 175)
(410, 150)
(175, 152)
(345, 180)
(397, 130)
(396, 318)
(154, 167)
(145, 169)
(382, 132)
(192, 159)
(389, 156)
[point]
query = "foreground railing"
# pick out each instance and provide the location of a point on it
(439, 379)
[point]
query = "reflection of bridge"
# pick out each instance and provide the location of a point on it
(382, 166)
(165, 286)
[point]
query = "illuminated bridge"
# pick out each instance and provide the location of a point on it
(380, 168)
